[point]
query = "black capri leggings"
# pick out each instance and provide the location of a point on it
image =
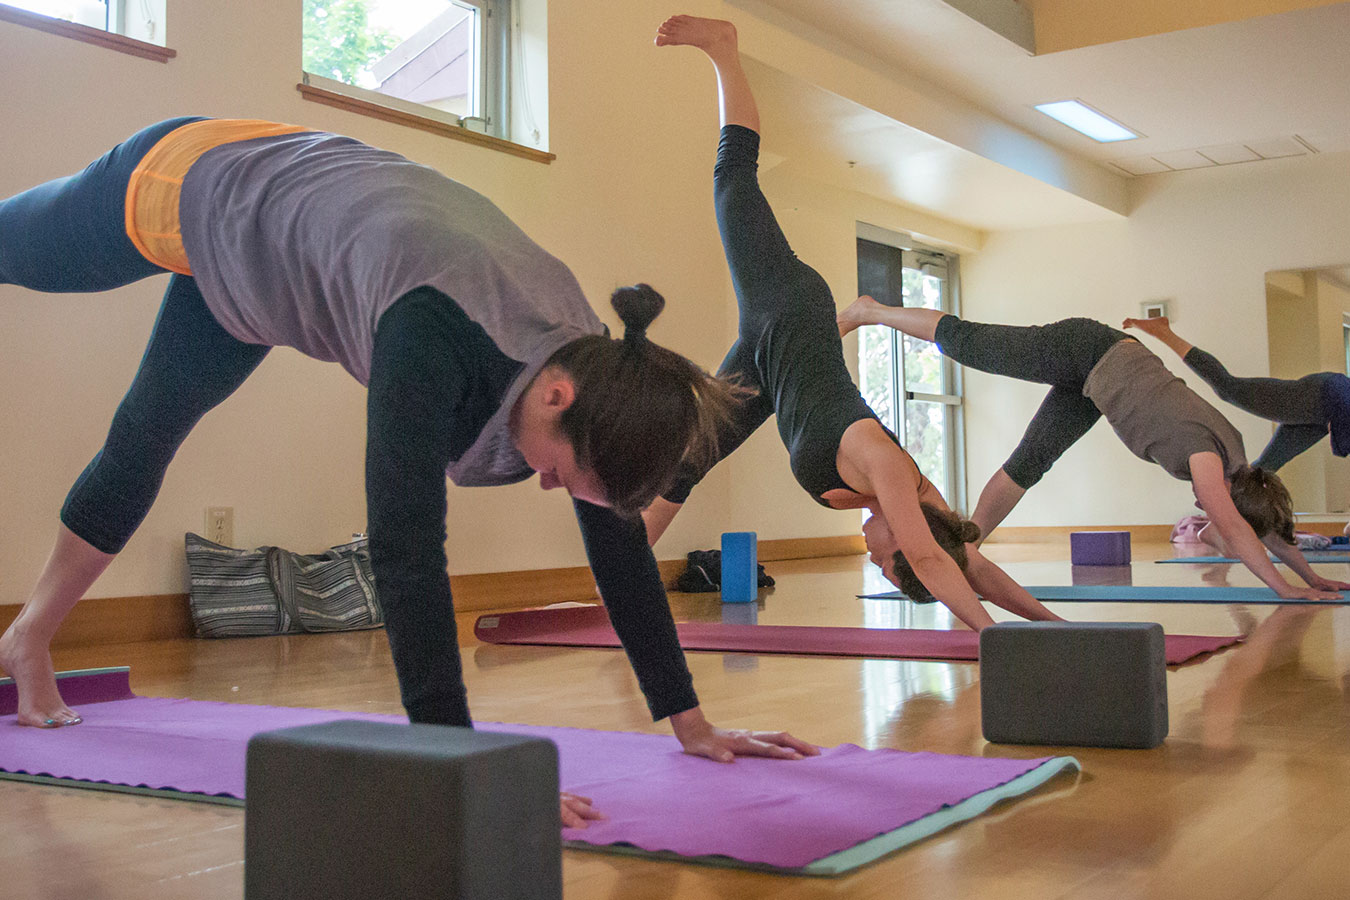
(70, 235)
(1060, 354)
(788, 347)
(1297, 405)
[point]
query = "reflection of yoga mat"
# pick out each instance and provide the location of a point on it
(819, 816)
(1137, 593)
(1312, 556)
(588, 626)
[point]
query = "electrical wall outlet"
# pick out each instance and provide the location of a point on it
(220, 525)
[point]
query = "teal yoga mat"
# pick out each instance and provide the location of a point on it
(1312, 556)
(1128, 593)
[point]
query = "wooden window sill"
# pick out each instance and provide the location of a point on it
(86, 34)
(399, 117)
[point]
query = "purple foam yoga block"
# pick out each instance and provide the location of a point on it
(1099, 548)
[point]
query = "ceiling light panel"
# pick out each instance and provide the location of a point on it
(1086, 120)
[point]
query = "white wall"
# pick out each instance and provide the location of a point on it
(628, 199)
(1205, 239)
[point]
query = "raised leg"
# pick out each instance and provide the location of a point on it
(69, 235)
(717, 39)
(916, 322)
(1289, 441)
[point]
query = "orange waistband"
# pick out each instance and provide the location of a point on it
(153, 191)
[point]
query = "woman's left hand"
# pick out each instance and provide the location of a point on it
(699, 737)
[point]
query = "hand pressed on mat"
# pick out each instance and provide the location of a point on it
(699, 737)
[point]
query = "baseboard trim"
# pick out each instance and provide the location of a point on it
(1053, 534)
(1050, 534)
(126, 620)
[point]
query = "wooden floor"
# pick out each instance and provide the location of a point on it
(1248, 798)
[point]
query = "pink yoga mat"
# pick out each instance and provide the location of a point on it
(761, 812)
(588, 626)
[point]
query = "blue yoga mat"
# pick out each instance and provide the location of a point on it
(1128, 593)
(1312, 556)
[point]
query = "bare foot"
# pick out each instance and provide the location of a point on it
(713, 36)
(858, 313)
(40, 702)
(1158, 326)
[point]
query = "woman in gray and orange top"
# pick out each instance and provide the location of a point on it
(482, 357)
(1093, 371)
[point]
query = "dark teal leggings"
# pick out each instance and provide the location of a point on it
(69, 236)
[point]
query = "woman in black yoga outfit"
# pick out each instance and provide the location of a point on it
(1095, 370)
(790, 352)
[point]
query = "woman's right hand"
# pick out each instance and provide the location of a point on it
(577, 811)
(1290, 592)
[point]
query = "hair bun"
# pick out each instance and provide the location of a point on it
(637, 306)
(970, 532)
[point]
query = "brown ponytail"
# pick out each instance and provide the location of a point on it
(1264, 502)
(952, 533)
(640, 409)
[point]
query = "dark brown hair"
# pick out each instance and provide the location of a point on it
(952, 533)
(1263, 500)
(640, 409)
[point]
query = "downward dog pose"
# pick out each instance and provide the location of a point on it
(1306, 408)
(483, 359)
(1095, 370)
(789, 350)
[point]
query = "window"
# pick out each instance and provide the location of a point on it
(910, 385)
(440, 59)
(1345, 338)
(129, 26)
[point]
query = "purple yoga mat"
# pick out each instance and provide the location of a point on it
(588, 626)
(776, 813)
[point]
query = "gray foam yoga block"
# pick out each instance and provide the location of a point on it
(1099, 684)
(366, 810)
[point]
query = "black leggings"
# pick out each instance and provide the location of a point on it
(1060, 354)
(70, 235)
(788, 346)
(1297, 405)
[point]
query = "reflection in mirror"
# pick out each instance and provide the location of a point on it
(1308, 323)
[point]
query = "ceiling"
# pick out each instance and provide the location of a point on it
(1230, 93)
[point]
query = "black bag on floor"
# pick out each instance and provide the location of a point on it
(274, 591)
(703, 573)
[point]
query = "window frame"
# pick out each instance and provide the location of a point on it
(109, 40)
(491, 91)
(916, 255)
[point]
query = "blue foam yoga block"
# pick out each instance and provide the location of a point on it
(1088, 684)
(353, 810)
(740, 567)
(1099, 548)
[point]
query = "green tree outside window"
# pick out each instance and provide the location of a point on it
(339, 42)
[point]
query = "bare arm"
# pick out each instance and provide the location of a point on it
(870, 463)
(658, 517)
(1212, 492)
(996, 586)
(1291, 556)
